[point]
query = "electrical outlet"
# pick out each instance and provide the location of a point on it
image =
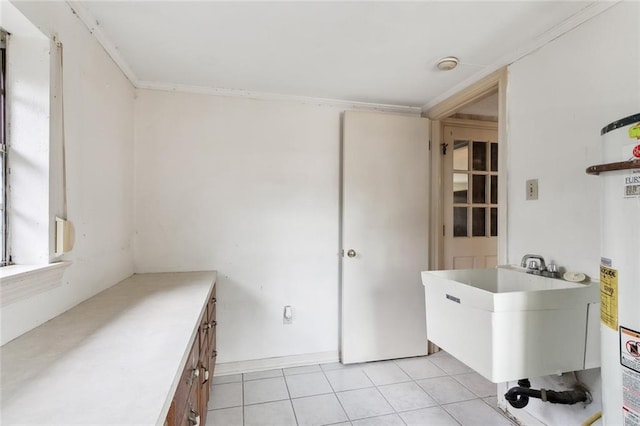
(287, 315)
(532, 189)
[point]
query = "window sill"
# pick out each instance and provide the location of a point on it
(19, 282)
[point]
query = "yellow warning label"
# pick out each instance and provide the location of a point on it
(634, 131)
(609, 297)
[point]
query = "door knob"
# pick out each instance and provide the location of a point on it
(351, 253)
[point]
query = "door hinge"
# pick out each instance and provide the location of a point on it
(443, 234)
(429, 144)
(444, 148)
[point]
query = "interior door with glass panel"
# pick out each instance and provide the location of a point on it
(470, 183)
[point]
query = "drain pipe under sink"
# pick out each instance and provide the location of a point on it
(518, 396)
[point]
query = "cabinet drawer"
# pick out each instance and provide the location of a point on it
(212, 305)
(191, 415)
(188, 381)
(212, 321)
(204, 331)
(203, 393)
(208, 324)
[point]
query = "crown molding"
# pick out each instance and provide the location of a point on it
(94, 28)
(265, 96)
(591, 10)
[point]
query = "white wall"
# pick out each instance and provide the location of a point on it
(99, 143)
(248, 188)
(558, 99)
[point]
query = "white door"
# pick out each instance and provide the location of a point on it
(470, 185)
(384, 236)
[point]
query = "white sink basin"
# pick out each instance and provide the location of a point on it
(507, 324)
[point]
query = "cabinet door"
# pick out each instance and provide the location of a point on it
(188, 382)
(203, 400)
(212, 331)
(204, 330)
(203, 363)
(191, 415)
(212, 320)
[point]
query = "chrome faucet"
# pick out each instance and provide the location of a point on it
(533, 265)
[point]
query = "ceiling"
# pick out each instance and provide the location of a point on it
(486, 107)
(373, 52)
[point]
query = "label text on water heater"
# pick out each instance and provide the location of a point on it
(609, 297)
(632, 186)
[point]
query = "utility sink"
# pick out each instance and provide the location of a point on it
(508, 325)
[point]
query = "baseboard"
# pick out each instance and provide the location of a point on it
(236, 367)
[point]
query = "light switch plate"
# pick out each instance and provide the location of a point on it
(287, 315)
(532, 189)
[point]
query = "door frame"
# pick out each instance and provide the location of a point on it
(446, 108)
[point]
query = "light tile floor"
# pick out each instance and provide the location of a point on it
(433, 390)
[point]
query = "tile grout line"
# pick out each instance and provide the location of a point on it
(384, 397)
(335, 394)
(415, 381)
(242, 398)
(451, 414)
(453, 376)
(286, 384)
(438, 404)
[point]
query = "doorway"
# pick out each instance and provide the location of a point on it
(469, 229)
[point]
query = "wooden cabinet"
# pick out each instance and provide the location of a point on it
(207, 353)
(113, 357)
(189, 405)
(185, 386)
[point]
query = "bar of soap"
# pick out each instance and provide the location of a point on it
(574, 277)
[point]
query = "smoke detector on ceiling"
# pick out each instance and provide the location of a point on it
(447, 64)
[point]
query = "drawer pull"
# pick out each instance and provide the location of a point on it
(213, 300)
(194, 418)
(213, 323)
(195, 372)
(206, 376)
(214, 354)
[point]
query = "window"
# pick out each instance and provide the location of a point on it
(26, 153)
(3, 153)
(475, 188)
(26, 111)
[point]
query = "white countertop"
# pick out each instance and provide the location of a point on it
(114, 359)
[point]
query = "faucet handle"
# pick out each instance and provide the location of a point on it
(552, 267)
(533, 264)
